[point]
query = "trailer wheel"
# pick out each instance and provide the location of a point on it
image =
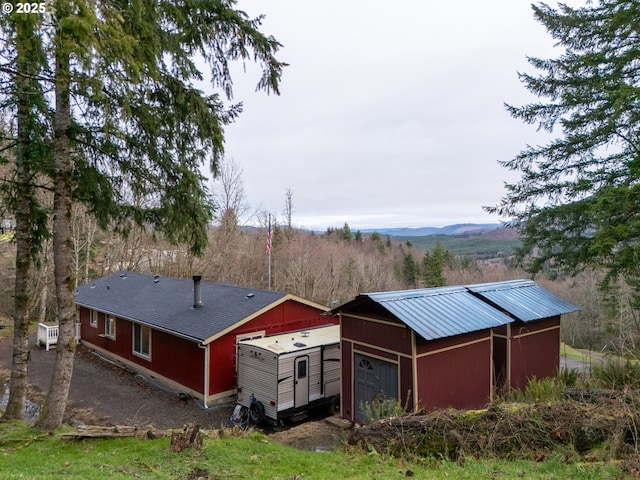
(256, 412)
(334, 405)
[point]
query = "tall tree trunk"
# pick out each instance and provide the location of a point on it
(44, 291)
(55, 404)
(25, 69)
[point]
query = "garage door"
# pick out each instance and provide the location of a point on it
(374, 380)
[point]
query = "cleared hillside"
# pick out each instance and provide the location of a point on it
(500, 242)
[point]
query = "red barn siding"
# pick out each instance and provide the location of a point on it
(374, 352)
(388, 335)
(385, 339)
(346, 392)
(405, 375)
(535, 350)
(456, 373)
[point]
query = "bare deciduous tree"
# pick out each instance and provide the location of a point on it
(228, 195)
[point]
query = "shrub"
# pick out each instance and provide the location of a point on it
(539, 391)
(569, 377)
(617, 374)
(381, 408)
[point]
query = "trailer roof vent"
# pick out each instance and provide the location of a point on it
(299, 344)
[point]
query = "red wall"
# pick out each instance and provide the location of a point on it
(173, 357)
(452, 372)
(535, 350)
(383, 340)
(457, 374)
(346, 391)
(396, 338)
(182, 360)
(285, 317)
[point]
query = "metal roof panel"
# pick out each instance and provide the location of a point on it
(440, 312)
(524, 299)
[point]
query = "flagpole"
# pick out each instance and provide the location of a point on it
(269, 245)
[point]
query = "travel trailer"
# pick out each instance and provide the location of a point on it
(285, 376)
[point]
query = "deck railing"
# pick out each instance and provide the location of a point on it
(47, 335)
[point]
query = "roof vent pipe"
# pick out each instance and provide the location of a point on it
(197, 294)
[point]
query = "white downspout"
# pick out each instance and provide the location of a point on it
(206, 373)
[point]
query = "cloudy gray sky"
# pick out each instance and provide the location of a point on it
(391, 113)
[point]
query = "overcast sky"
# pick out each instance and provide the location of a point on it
(391, 114)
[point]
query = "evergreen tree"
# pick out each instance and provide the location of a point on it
(433, 266)
(345, 233)
(409, 271)
(577, 202)
(28, 152)
(127, 119)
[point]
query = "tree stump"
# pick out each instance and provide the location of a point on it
(190, 437)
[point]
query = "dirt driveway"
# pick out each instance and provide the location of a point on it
(105, 394)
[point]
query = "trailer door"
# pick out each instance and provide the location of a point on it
(301, 379)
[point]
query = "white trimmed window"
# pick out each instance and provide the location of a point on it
(93, 318)
(142, 340)
(110, 326)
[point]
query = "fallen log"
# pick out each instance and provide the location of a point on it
(117, 431)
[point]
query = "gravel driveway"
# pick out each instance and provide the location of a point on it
(104, 394)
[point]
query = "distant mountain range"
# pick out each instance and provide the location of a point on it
(458, 229)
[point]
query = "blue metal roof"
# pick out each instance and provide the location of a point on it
(524, 299)
(440, 312)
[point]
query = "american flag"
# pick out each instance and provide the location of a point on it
(269, 236)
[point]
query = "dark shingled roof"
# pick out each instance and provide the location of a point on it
(167, 303)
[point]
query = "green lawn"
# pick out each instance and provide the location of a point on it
(27, 454)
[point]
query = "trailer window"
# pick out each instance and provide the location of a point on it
(302, 369)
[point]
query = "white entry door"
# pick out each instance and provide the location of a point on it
(301, 379)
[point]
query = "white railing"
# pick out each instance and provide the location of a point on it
(47, 335)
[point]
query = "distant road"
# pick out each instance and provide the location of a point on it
(582, 365)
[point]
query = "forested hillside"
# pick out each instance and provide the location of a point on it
(328, 268)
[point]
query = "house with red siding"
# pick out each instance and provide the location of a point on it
(183, 333)
(446, 347)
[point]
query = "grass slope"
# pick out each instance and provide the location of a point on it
(27, 454)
